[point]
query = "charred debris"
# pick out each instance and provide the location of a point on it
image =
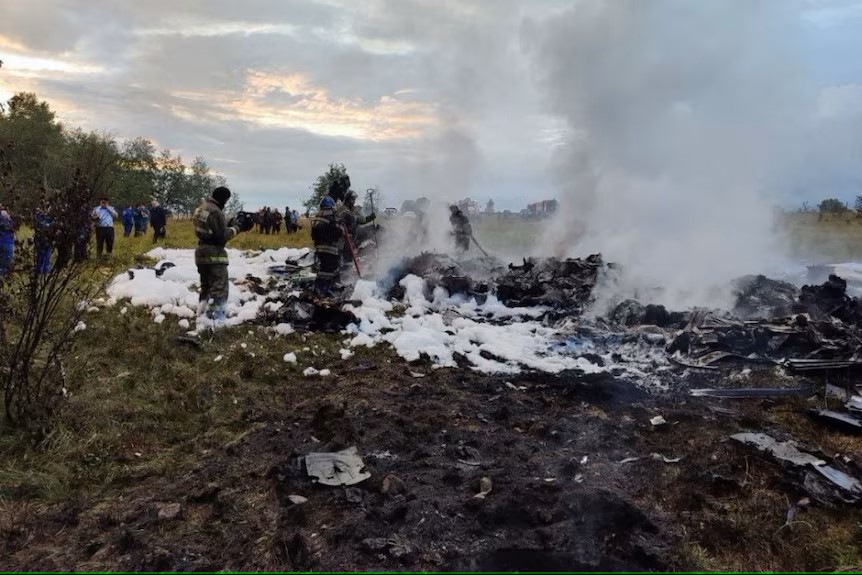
(777, 343)
(813, 329)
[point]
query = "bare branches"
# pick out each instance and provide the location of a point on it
(41, 303)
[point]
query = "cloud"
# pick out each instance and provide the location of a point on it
(447, 97)
(292, 101)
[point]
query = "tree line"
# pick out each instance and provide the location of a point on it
(834, 206)
(40, 151)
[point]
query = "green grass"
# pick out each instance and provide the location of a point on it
(181, 234)
(139, 403)
(512, 235)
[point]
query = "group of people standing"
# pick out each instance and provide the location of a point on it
(43, 241)
(140, 218)
(268, 220)
(336, 232)
(102, 219)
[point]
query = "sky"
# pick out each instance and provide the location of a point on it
(497, 99)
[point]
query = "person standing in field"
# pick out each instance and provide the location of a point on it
(138, 220)
(294, 220)
(41, 240)
(213, 233)
(103, 215)
(462, 231)
(145, 218)
(7, 240)
(127, 216)
(328, 237)
(276, 221)
(159, 220)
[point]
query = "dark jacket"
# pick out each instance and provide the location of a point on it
(41, 228)
(460, 224)
(158, 217)
(326, 232)
(213, 233)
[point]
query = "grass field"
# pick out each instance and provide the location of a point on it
(833, 239)
(141, 406)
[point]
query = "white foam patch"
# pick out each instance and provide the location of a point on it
(175, 292)
(492, 337)
(443, 326)
(283, 329)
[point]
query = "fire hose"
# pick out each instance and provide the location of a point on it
(478, 246)
(350, 247)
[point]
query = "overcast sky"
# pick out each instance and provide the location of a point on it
(420, 97)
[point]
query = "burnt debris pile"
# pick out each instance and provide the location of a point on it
(305, 311)
(758, 297)
(631, 313)
(816, 328)
(563, 284)
(470, 277)
(820, 328)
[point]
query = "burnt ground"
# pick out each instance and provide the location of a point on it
(560, 498)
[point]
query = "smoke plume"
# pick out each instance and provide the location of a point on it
(685, 118)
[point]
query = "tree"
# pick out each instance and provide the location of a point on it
(33, 142)
(137, 171)
(858, 205)
(40, 153)
(234, 205)
(832, 206)
(96, 156)
(169, 182)
(199, 184)
(489, 207)
(334, 182)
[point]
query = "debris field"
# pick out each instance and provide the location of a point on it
(483, 416)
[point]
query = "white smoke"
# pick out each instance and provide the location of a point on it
(685, 118)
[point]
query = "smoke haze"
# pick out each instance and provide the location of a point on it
(686, 120)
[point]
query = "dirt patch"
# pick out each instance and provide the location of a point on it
(563, 495)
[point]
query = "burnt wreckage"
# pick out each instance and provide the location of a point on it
(814, 328)
(798, 337)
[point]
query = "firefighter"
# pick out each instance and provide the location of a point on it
(351, 216)
(328, 237)
(461, 228)
(213, 233)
